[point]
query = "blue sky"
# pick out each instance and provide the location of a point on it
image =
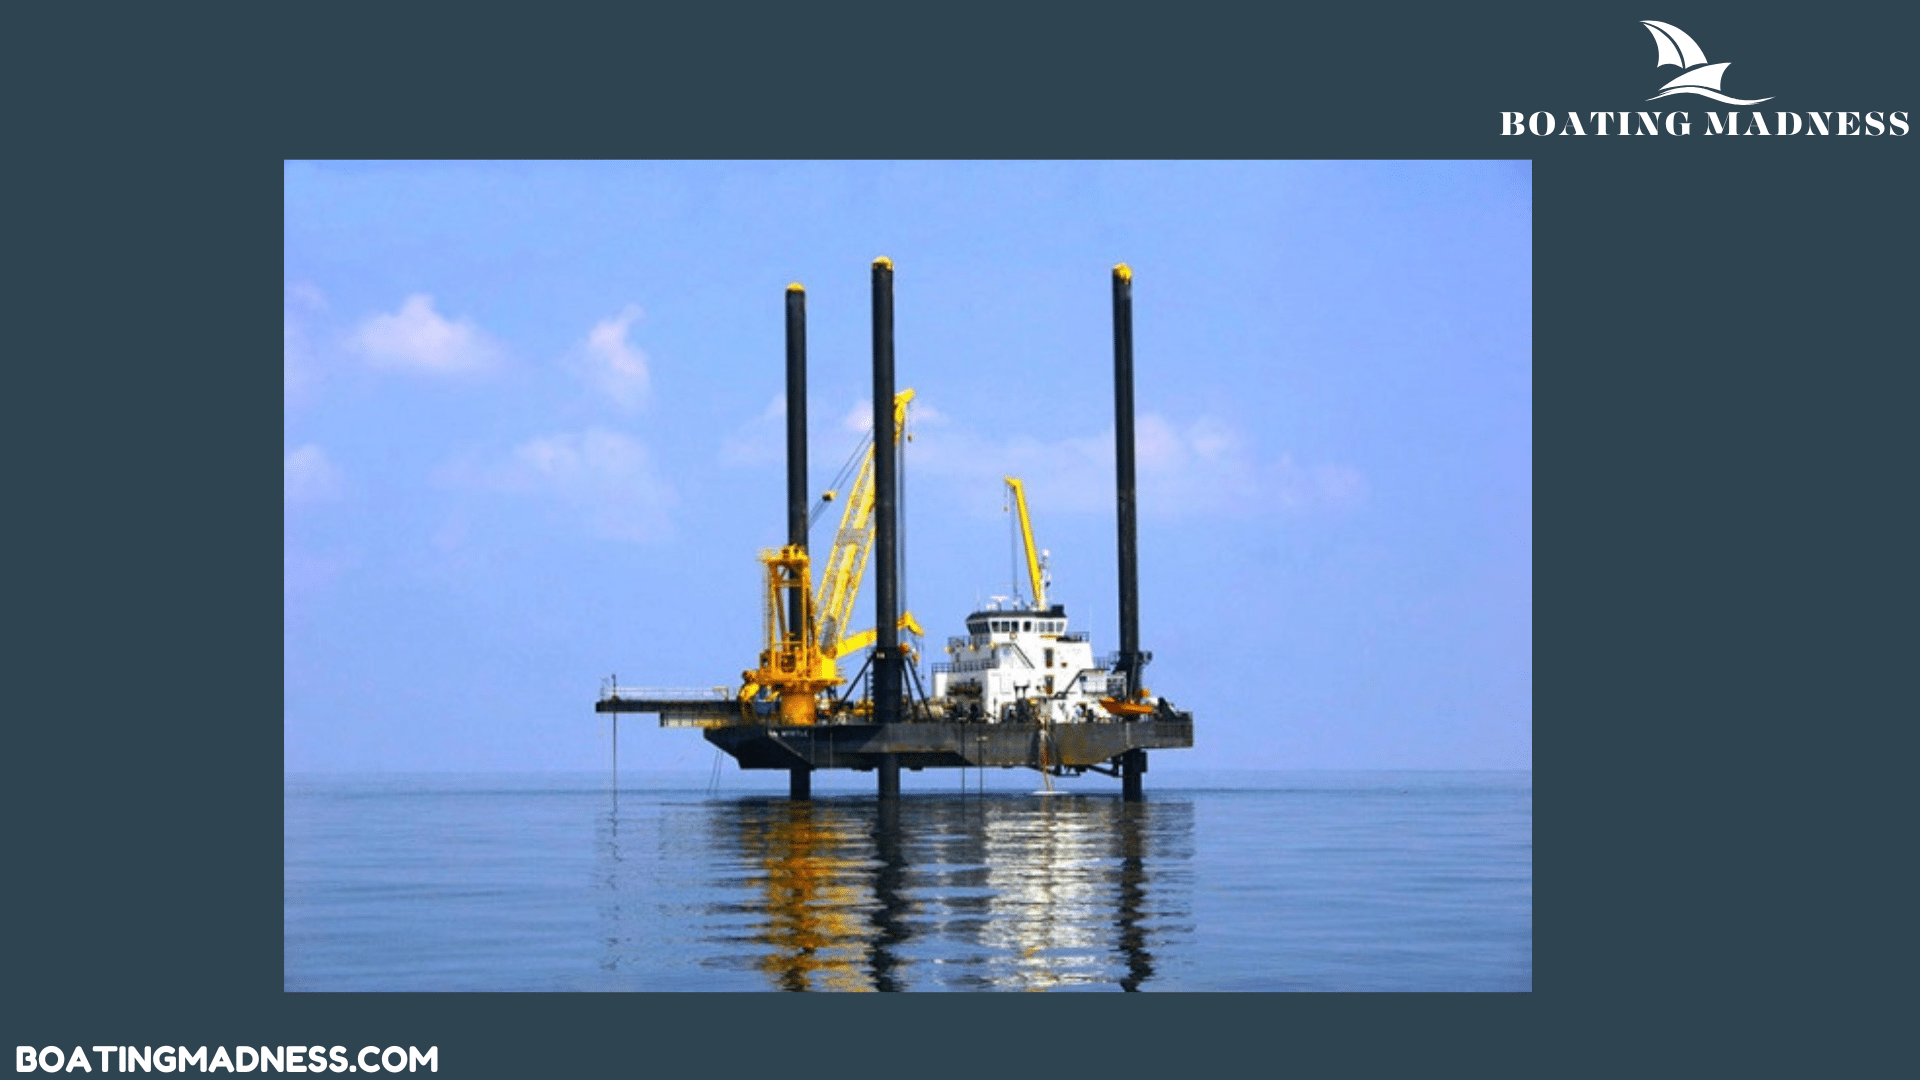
(533, 437)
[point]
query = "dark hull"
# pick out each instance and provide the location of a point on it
(933, 745)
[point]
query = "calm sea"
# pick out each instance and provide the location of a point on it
(1242, 881)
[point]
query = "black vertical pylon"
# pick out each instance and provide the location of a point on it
(800, 780)
(1134, 762)
(886, 556)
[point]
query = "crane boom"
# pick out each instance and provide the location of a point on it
(801, 659)
(839, 586)
(1034, 571)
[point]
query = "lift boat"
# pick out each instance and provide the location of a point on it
(1020, 690)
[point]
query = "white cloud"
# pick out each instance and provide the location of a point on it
(452, 535)
(309, 477)
(1200, 466)
(760, 441)
(607, 476)
(613, 363)
(306, 295)
(419, 338)
(1065, 474)
(763, 440)
(1300, 487)
(304, 573)
(294, 374)
(859, 419)
(297, 371)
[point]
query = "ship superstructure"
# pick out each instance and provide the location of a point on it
(1021, 661)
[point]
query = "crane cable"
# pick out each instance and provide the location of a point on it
(843, 479)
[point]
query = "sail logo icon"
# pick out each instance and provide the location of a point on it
(1697, 76)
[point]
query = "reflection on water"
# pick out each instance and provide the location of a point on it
(995, 892)
(813, 932)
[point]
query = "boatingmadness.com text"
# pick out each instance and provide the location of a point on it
(240, 1059)
(1679, 123)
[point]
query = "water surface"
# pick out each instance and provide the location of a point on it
(1251, 881)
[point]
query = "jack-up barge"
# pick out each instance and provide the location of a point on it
(1020, 689)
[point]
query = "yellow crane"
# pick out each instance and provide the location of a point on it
(801, 661)
(852, 544)
(1035, 571)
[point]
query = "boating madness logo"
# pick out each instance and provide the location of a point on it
(1674, 47)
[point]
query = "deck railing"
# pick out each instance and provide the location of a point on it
(611, 690)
